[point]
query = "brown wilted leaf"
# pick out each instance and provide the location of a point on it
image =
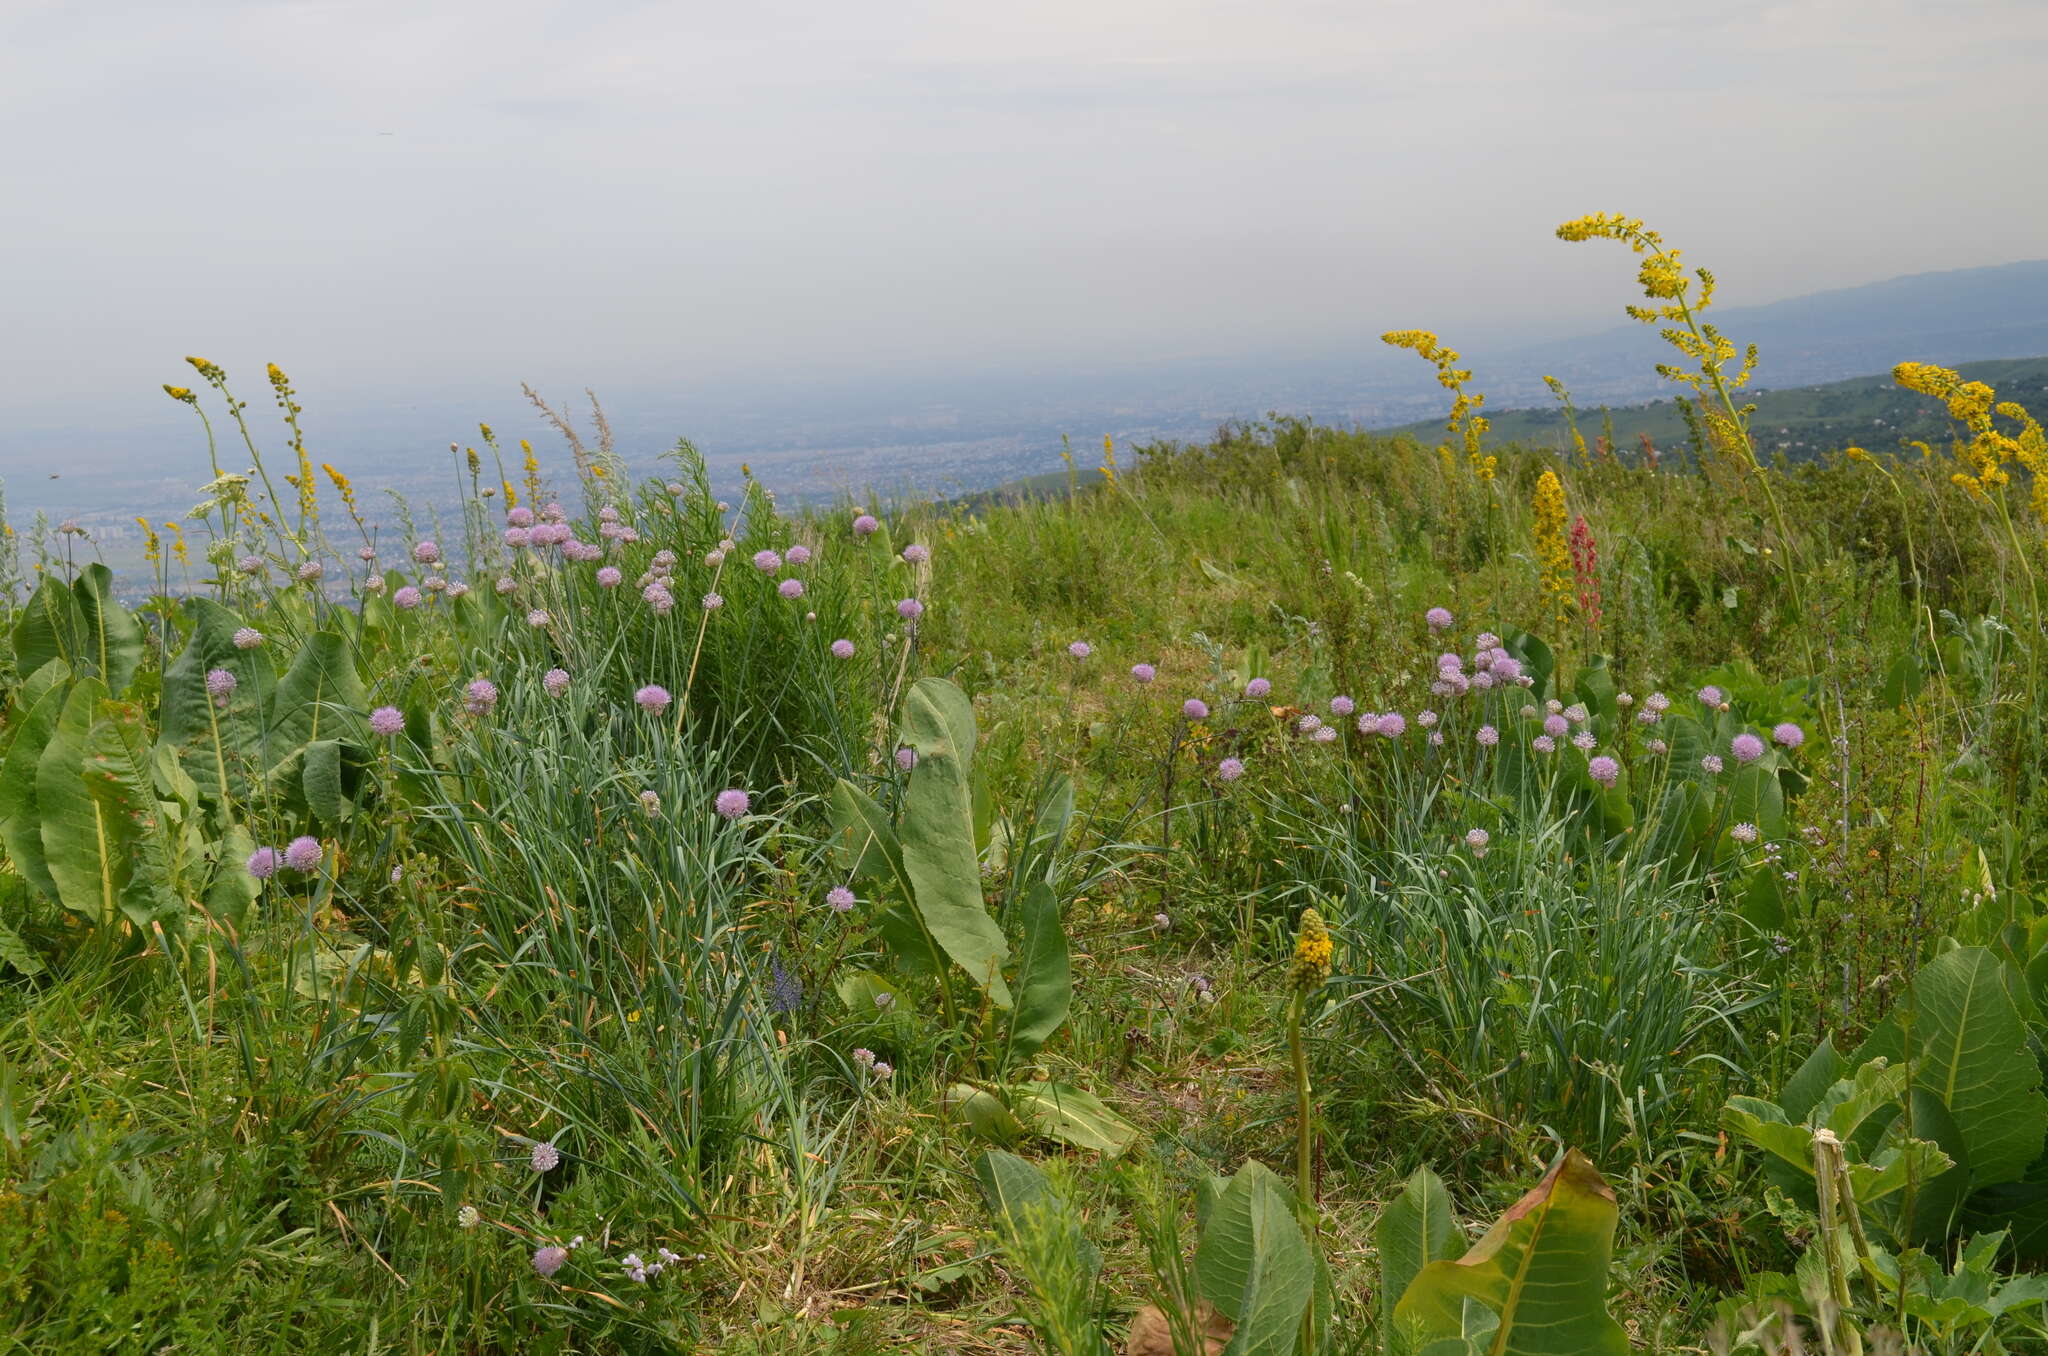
(1152, 1334)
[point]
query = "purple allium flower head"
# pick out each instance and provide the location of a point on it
(840, 898)
(1506, 669)
(1080, 649)
(518, 538)
(457, 589)
(546, 1157)
(1657, 701)
(426, 552)
(1230, 769)
(387, 721)
(917, 553)
(1144, 673)
(798, 554)
(537, 618)
(1194, 708)
(1604, 770)
(712, 602)
(1328, 735)
(406, 599)
(608, 514)
(480, 696)
(220, 685)
(262, 863)
(1439, 619)
(1556, 726)
(548, 1261)
(1711, 763)
(1309, 723)
(842, 648)
(556, 681)
(1477, 839)
(910, 609)
(1658, 746)
(863, 1057)
(553, 512)
(1789, 735)
(1488, 736)
(791, 588)
(1392, 725)
(884, 1070)
(767, 562)
(311, 571)
(1746, 747)
(303, 853)
(1744, 833)
(1587, 740)
(1711, 695)
(250, 565)
(864, 525)
(507, 584)
(1342, 706)
(609, 577)
(653, 699)
(731, 803)
(1258, 689)
(1543, 744)
(1485, 640)
(1577, 713)
(519, 517)
(906, 757)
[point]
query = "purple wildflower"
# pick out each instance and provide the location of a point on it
(303, 853)
(1746, 747)
(1080, 649)
(840, 898)
(1144, 673)
(1744, 833)
(1543, 744)
(537, 618)
(1789, 735)
(767, 562)
(910, 609)
(1604, 770)
(842, 649)
(791, 588)
(546, 1157)
(387, 721)
(1488, 736)
(1257, 689)
(426, 552)
(653, 699)
(480, 696)
(548, 1261)
(406, 599)
(1556, 726)
(248, 638)
(220, 685)
(262, 863)
(250, 565)
(798, 555)
(1230, 769)
(1342, 706)
(1439, 619)
(556, 681)
(917, 553)
(609, 577)
(1711, 763)
(519, 517)
(1477, 839)
(1711, 696)
(731, 803)
(1194, 708)
(712, 602)
(1393, 725)
(865, 525)
(906, 758)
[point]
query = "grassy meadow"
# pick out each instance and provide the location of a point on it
(1306, 892)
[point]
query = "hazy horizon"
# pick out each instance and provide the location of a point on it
(410, 205)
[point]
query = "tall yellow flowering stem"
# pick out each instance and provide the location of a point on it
(1311, 970)
(1665, 284)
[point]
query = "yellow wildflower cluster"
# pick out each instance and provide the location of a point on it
(1465, 423)
(1553, 558)
(1109, 460)
(1676, 313)
(532, 473)
(1983, 457)
(1313, 950)
(181, 393)
(303, 482)
(152, 545)
(211, 371)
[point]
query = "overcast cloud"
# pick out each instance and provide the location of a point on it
(455, 194)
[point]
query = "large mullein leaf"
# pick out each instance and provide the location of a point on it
(1254, 1265)
(320, 697)
(121, 780)
(219, 745)
(21, 823)
(1045, 981)
(87, 850)
(109, 637)
(1541, 1272)
(1417, 1228)
(937, 835)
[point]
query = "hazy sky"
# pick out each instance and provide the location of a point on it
(460, 193)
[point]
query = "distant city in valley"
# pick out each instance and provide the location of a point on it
(813, 444)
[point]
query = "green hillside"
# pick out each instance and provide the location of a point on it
(1801, 422)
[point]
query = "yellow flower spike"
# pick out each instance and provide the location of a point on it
(181, 393)
(1553, 558)
(1313, 951)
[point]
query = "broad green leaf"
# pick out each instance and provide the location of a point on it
(1415, 1229)
(1045, 981)
(1811, 1081)
(984, 1113)
(863, 840)
(319, 697)
(30, 690)
(87, 849)
(15, 951)
(48, 628)
(21, 823)
(322, 778)
(1541, 1269)
(233, 889)
(220, 746)
(1071, 1116)
(1021, 1199)
(1254, 1265)
(937, 834)
(1971, 1050)
(121, 777)
(109, 637)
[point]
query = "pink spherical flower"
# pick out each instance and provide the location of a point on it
(917, 553)
(1746, 747)
(1144, 673)
(1604, 770)
(1080, 649)
(1258, 689)
(556, 681)
(1439, 619)
(609, 577)
(387, 721)
(1788, 735)
(864, 525)
(1194, 708)
(732, 803)
(910, 609)
(406, 599)
(653, 699)
(798, 555)
(1230, 769)
(791, 588)
(426, 552)
(303, 853)
(767, 562)
(842, 649)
